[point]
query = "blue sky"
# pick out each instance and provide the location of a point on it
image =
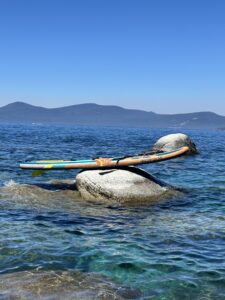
(166, 56)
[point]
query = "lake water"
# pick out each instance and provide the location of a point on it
(174, 249)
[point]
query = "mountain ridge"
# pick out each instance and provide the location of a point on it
(107, 115)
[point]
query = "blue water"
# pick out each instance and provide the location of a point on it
(173, 249)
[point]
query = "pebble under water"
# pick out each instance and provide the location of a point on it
(173, 249)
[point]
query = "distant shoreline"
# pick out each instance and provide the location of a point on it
(91, 114)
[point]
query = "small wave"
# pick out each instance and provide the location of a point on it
(10, 183)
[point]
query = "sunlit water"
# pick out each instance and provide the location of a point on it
(174, 249)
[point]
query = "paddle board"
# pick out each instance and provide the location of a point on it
(103, 162)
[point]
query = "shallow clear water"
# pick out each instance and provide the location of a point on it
(169, 250)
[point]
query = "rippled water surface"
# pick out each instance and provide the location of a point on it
(174, 249)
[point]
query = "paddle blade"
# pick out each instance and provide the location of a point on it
(37, 173)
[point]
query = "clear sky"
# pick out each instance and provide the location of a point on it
(165, 56)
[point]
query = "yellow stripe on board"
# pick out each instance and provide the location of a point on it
(49, 166)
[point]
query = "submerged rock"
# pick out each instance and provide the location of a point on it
(53, 195)
(119, 185)
(173, 141)
(62, 285)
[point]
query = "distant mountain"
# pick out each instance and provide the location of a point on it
(94, 114)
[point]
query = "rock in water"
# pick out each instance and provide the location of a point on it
(171, 142)
(119, 185)
(66, 285)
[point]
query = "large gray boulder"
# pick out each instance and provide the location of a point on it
(119, 185)
(173, 141)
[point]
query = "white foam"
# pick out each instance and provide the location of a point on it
(10, 183)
